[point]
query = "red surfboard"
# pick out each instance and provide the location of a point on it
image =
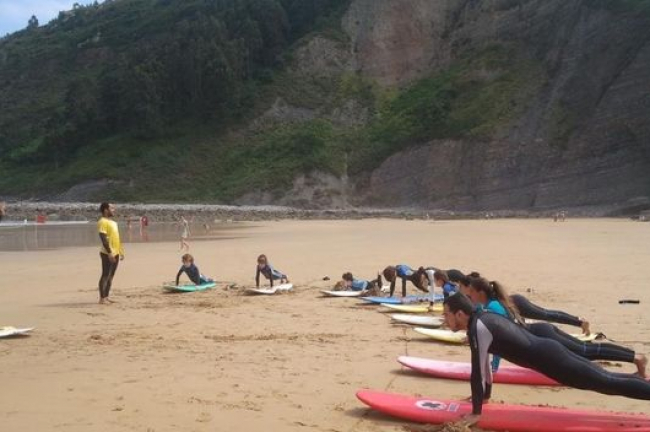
(503, 417)
(463, 371)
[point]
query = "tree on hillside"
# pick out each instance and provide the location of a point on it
(33, 22)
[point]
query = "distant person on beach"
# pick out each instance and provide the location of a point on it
(192, 271)
(350, 283)
(185, 233)
(491, 333)
(144, 224)
(3, 210)
(266, 269)
(111, 251)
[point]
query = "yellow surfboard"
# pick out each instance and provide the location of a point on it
(414, 308)
(443, 335)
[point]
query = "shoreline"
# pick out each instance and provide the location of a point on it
(78, 211)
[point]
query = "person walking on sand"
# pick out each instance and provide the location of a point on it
(185, 234)
(111, 251)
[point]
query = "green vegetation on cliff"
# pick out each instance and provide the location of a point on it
(166, 95)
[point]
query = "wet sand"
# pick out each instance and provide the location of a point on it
(220, 361)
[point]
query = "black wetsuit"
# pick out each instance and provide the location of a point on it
(591, 351)
(492, 333)
(531, 311)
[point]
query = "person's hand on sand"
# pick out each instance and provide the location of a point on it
(585, 326)
(469, 420)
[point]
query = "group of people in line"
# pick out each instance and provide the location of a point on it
(496, 324)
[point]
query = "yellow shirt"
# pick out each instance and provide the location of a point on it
(109, 228)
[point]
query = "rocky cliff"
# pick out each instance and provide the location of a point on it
(448, 104)
(583, 138)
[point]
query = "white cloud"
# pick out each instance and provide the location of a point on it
(14, 14)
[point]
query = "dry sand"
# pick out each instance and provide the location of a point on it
(219, 361)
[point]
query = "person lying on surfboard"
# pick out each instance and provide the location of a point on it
(491, 333)
(491, 296)
(192, 271)
(266, 269)
(372, 288)
(529, 310)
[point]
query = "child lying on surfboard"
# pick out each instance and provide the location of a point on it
(192, 271)
(266, 269)
(349, 283)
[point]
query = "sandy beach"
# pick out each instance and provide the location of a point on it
(221, 361)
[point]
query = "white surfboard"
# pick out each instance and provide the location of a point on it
(343, 293)
(271, 291)
(13, 331)
(418, 320)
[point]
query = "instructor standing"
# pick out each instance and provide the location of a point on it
(111, 251)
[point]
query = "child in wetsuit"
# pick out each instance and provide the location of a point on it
(267, 270)
(372, 288)
(192, 271)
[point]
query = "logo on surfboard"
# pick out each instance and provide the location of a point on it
(430, 405)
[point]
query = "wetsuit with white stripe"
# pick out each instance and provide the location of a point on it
(491, 333)
(531, 311)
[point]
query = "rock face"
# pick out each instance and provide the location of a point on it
(584, 138)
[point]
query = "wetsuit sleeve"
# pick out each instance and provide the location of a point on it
(257, 276)
(271, 271)
(104, 239)
(432, 284)
(480, 340)
(178, 275)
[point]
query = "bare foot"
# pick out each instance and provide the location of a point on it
(585, 327)
(641, 362)
(110, 301)
(102, 301)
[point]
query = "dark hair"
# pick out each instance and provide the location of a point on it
(467, 279)
(347, 276)
(459, 302)
(495, 291)
(262, 257)
(442, 275)
(390, 273)
(187, 257)
(418, 278)
(103, 206)
(455, 275)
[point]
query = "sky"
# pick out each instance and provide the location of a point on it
(14, 14)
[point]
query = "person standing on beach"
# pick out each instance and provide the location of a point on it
(185, 233)
(111, 251)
